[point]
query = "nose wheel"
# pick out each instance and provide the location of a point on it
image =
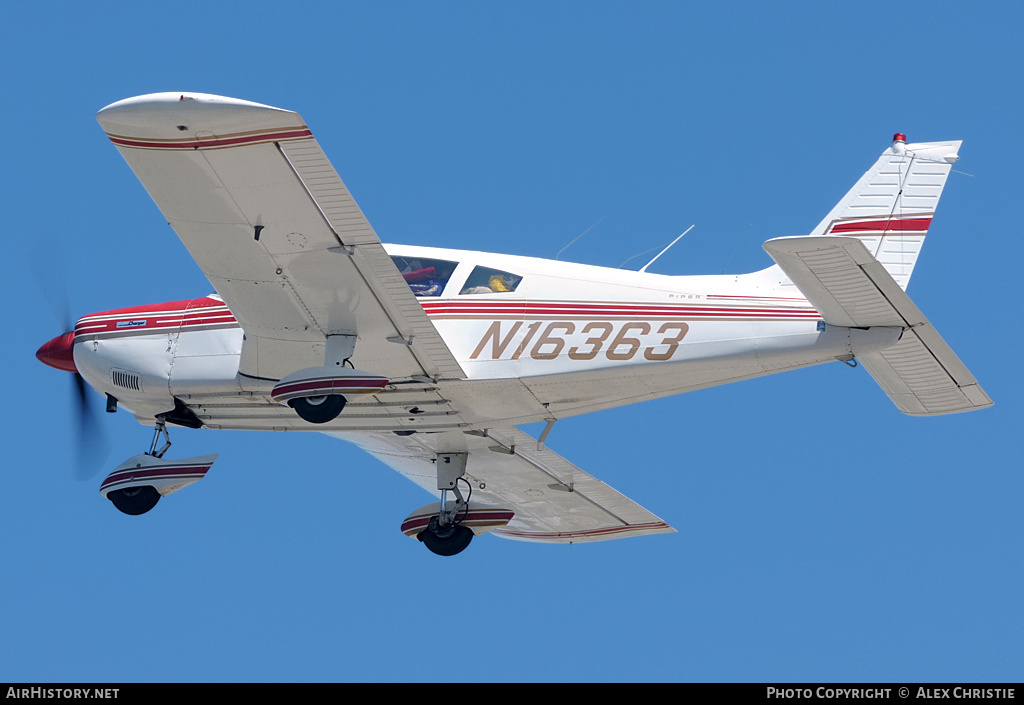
(134, 500)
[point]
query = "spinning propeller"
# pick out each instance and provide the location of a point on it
(91, 447)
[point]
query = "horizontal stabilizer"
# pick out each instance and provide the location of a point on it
(849, 287)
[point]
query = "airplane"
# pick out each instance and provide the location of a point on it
(429, 359)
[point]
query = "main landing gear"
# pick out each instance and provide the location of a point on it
(318, 394)
(445, 539)
(445, 535)
(319, 409)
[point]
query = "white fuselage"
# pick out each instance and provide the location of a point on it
(557, 339)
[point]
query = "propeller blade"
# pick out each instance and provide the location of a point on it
(92, 447)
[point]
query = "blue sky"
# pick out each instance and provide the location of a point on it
(822, 535)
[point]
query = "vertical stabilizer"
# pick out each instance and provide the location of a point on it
(890, 208)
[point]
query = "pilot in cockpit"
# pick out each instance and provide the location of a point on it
(497, 282)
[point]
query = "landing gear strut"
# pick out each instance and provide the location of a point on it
(445, 534)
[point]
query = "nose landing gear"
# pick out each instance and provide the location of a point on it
(139, 499)
(134, 500)
(137, 484)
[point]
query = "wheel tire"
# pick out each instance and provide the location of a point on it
(455, 542)
(135, 500)
(318, 409)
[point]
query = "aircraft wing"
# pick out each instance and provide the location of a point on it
(553, 500)
(260, 208)
(849, 287)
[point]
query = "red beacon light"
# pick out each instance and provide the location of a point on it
(899, 137)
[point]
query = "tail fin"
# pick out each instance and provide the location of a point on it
(854, 268)
(891, 207)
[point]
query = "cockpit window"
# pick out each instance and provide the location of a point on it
(426, 277)
(484, 280)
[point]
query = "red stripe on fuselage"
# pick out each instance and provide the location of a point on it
(525, 309)
(206, 312)
(528, 307)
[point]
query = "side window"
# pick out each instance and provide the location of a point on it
(484, 280)
(426, 277)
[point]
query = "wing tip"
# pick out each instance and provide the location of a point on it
(180, 97)
(177, 114)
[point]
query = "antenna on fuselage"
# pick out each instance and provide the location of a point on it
(644, 268)
(598, 222)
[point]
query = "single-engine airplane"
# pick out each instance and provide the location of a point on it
(429, 358)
